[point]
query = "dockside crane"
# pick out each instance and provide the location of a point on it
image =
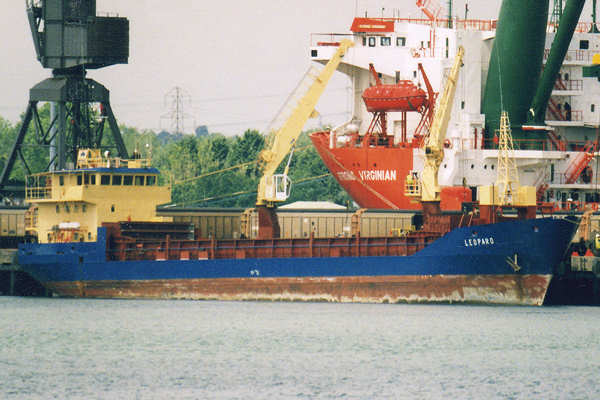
(426, 188)
(283, 133)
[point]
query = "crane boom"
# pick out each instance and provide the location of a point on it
(434, 144)
(273, 188)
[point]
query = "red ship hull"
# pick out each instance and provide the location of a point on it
(374, 175)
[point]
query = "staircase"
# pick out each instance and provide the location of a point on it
(580, 162)
(555, 111)
(559, 144)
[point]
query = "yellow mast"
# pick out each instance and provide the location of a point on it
(507, 181)
(428, 189)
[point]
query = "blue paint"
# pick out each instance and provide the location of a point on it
(482, 250)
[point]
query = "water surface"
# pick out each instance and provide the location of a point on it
(109, 349)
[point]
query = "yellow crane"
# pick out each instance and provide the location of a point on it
(283, 133)
(507, 191)
(427, 188)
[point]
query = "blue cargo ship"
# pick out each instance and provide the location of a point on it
(95, 239)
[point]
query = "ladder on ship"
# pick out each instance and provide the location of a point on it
(580, 162)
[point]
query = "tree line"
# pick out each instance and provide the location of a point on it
(202, 169)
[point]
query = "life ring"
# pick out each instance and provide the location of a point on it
(447, 144)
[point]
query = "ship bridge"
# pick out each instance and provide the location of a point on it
(71, 204)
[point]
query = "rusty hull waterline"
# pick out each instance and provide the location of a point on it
(488, 289)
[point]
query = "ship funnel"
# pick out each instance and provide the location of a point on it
(558, 51)
(515, 62)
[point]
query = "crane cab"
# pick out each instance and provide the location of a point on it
(278, 187)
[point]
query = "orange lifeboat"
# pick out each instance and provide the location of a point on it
(403, 96)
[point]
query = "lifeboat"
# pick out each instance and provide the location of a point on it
(403, 96)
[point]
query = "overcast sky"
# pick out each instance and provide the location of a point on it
(237, 60)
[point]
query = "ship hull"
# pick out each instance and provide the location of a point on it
(503, 263)
(374, 176)
(476, 289)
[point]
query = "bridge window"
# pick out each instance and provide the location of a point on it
(117, 179)
(105, 179)
(400, 41)
(150, 180)
(386, 41)
(372, 42)
(128, 180)
(139, 180)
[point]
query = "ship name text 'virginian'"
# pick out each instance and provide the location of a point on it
(378, 175)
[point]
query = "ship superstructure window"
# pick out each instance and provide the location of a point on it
(372, 41)
(139, 180)
(79, 179)
(150, 180)
(89, 179)
(584, 44)
(61, 180)
(117, 179)
(128, 180)
(105, 179)
(400, 41)
(592, 107)
(386, 41)
(364, 40)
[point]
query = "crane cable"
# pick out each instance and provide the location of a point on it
(244, 192)
(238, 166)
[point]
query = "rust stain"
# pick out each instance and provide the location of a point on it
(487, 289)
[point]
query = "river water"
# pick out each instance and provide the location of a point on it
(113, 349)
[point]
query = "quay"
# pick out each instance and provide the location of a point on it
(15, 282)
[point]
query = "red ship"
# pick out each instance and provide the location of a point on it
(372, 167)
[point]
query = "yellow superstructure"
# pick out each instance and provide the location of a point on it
(70, 205)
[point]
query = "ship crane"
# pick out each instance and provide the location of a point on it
(507, 192)
(427, 188)
(283, 133)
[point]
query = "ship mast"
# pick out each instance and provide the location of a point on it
(428, 189)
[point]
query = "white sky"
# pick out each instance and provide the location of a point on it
(238, 60)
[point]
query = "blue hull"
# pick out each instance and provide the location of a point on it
(508, 262)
